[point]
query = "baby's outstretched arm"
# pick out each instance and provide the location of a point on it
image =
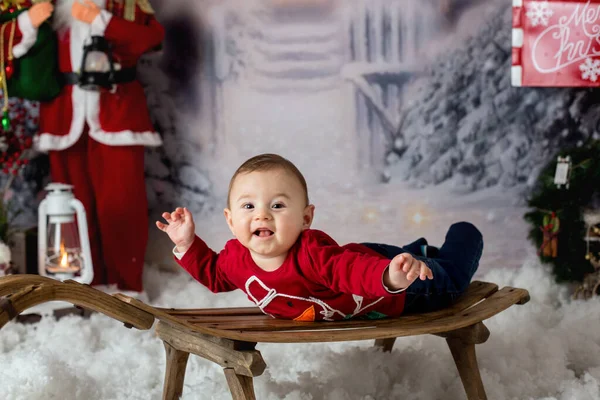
(404, 269)
(180, 227)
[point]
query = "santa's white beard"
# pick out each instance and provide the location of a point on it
(62, 18)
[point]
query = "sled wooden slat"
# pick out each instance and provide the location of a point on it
(302, 332)
(213, 311)
(256, 322)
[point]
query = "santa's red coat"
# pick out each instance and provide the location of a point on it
(116, 118)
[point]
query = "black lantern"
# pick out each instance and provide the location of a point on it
(97, 68)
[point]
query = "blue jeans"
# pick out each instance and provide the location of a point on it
(453, 268)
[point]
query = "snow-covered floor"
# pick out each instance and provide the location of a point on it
(547, 349)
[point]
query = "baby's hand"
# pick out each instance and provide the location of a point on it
(404, 269)
(180, 228)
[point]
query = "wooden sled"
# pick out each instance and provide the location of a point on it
(228, 336)
(21, 292)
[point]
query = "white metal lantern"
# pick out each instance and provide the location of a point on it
(63, 242)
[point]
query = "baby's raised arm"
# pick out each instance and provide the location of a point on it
(180, 227)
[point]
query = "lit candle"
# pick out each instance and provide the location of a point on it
(64, 262)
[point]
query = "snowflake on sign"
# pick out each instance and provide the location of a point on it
(539, 13)
(590, 69)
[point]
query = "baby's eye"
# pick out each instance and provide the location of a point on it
(248, 206)
(278, 205)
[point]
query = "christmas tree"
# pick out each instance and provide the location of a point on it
(568, 203)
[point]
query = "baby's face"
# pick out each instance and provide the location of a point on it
(268, 212)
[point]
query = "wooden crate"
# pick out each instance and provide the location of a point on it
(23, 248)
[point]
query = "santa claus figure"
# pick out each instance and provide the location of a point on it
(96, 138)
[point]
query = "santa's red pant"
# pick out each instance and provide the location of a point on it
(109, 181)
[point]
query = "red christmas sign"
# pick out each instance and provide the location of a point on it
(556, 43)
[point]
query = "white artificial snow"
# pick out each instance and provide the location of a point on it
(546, 349)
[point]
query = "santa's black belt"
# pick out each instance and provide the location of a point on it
(120, 76)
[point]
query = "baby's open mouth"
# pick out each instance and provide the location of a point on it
(263, 232)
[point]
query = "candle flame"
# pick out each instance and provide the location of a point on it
(64, 262)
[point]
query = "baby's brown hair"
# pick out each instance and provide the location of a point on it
(268, 162)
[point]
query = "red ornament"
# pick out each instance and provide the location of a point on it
(9, 69)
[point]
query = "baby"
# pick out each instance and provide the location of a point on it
(291, 271)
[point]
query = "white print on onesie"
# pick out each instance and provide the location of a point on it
(326, 310)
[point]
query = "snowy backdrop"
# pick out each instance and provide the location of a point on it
(401, 116)
(365, 96)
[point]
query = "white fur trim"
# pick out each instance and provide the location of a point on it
(516, 75)
(92, 116)
(517, 3)
(100, 23)
(86, 108)
(29, 35)
(47, 141)
(92, 108)
(124, 138)
(78, 100)
(80, 33)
